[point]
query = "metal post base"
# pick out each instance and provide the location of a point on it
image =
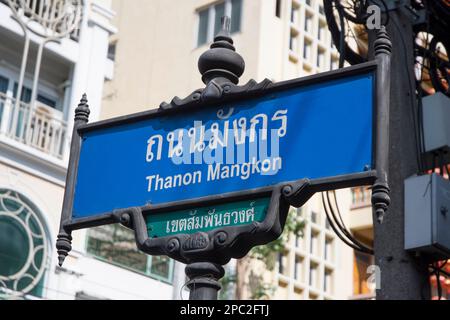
(204, 280)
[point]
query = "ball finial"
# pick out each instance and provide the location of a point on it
(221, 62)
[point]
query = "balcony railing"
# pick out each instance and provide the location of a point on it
(361, 197)
(45, 10)
(43, 129)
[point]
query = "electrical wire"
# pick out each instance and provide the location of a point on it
(437, 270)
(425, 51)
(338, 226)
(438, 283)
(441, 162)
(340, 10)
(335, 229)
(340, 230)
(412, 94)
(342, 224)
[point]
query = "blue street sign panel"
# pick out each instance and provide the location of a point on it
(313, 131)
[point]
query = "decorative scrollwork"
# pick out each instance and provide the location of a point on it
(216, 91)
(173, 245)
(48, 18)
(220, 238)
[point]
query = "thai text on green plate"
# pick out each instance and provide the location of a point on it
(207, 218)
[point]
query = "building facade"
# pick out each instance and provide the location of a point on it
(36, 121)
(156, 51)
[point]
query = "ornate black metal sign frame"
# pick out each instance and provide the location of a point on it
(220, 73)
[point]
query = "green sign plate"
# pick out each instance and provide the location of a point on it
(207, 218)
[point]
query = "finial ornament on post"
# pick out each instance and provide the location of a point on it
(383, 44)
(221, 63)
(380, 190)
(82, 112)
(64, 239)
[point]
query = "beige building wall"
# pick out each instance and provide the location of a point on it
(157, 53)
(156, 59)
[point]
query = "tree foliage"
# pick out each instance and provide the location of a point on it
(268, 253)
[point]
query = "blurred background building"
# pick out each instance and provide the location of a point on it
(37, 102)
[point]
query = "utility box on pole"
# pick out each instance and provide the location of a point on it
(427, 216)
(436, 129)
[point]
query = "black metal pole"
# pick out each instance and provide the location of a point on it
(219, 66)
(204, 280)
(403, 276)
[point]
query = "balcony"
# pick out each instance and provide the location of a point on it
(44, 12)
(43, 129)
(361, 197)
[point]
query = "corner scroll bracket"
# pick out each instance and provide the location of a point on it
(297, 193)
(132, 218)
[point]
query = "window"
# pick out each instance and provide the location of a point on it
(293, 40)
(313, 274)
(361, 263)
(203, 27)
(160, 266)
(328, 249)
(112, 51)
(81, 295)
(46, 101)
(327, 225)
(209, 19)
(320, 58)
(327, 281)
(314, 244)
(278, 8)
(236, 12)
(307, 50)
(219, 13)
(321, 11)
(321, 32)
(361, 196)
(298, 268)
(3, 88)
(294, 13)
(282, 263)
(3, 84)
(24, 245)
(334, 63)
(116, 245)
(308, 22)
(314, 216)
(298, 241)
(26, 97)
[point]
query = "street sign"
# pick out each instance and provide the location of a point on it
(206, 178)
(295, 131)
(207, 218)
